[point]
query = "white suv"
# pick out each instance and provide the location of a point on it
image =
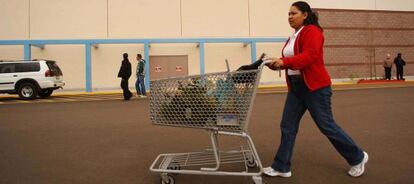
(30, 79)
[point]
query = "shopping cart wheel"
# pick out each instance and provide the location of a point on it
(257, 179)
(250, 162)
(175, 167)
(167, 179)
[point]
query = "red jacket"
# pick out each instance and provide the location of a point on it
(308, 58)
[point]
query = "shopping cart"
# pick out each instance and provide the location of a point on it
(221, 103)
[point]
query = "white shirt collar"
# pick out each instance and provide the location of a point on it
(297, 33)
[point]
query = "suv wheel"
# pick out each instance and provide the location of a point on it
(27, 91)
(46, 93)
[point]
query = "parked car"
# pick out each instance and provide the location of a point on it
(30, 79)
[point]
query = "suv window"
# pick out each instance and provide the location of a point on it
(54, 67)
(27, 67)
(7, 68)
(19, 67)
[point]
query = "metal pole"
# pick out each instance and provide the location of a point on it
(202, 63)
(88, 68)
(147, 65)
(27, 52)
(375, 64)
(253, 51)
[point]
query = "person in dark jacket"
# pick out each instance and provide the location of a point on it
(399, 63)
(125, 74)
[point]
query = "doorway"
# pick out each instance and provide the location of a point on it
(162, 67)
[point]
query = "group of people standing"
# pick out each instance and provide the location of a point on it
(125, 73)
(399, 63)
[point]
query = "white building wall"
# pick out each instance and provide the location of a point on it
(70, 58)
(144, 19)
(215, 18)
(396, 5)
(106, 61)
(14, 19)
(268, 18)
(130, 19)
(11, 52)
(74, 19)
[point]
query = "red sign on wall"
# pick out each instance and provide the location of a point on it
(158, 69)
(178, 68)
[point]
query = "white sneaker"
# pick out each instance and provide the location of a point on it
(358, 170)
(271, 172)
(142, 96)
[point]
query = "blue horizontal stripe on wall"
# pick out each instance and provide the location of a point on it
(126, 41)
(27, 44)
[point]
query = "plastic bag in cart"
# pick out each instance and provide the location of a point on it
(241, 78)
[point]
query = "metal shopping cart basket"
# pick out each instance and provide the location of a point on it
(221, 103)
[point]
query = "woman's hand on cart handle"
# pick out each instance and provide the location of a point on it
(274, 63)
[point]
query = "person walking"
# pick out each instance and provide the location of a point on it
(309, 89)
(399, 63)
(139, 84)
(387, 67)
(125, 73)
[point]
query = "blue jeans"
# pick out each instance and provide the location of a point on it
(140, 86)
(299, 99)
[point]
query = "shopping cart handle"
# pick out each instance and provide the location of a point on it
(209, 169)
(267, 61)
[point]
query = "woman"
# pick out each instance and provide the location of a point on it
(309, 89)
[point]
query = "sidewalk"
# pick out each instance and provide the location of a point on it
(276, 88)
(343, 85)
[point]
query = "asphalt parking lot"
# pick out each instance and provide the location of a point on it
(113, 141)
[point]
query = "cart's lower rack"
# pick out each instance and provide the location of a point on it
(196, 162)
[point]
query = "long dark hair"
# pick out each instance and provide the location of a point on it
(312, 16)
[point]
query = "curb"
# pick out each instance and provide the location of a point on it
(261, 87)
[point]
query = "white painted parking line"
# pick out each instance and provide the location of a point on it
(43, 100)
(64, 100)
